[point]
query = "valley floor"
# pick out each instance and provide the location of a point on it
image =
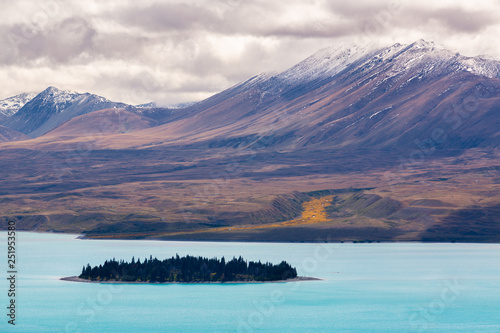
(362, 196)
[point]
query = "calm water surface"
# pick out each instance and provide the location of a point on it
(366, 288)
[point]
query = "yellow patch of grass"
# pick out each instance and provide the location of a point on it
(314, 212)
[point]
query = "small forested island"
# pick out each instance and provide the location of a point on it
(188, 269)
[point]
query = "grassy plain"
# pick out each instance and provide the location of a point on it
(257, 197)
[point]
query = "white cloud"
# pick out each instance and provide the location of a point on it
(175, 51)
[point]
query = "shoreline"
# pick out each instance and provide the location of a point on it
(297, 279)
(256, 241)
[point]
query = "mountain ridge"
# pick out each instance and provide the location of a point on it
(367, 93)
(11, 105)
(52, 107)
(9, 135)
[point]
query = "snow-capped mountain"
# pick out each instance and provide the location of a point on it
(153, 105)
(147, 105)
(181, 105)
(428, 57)
(52, 107)
(363, 96)
(358, 96)
(11, 105)
(351, 63)
(325, 63)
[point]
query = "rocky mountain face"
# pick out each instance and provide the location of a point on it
(53, 107)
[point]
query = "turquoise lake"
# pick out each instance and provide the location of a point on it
(396, 287)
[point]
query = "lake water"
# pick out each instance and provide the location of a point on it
(405, 287)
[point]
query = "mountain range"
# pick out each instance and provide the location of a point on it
(412, 129)
(383, 98)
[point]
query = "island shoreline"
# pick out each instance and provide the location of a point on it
(297, 279)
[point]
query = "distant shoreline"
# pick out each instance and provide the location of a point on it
(255, 241)
(297, 279)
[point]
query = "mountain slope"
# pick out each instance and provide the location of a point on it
(102, 122)
(52, 107)
(8, 135)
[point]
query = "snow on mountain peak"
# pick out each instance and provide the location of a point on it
(427, 58)
(423, 44)
(61, 98)
(436, 56)
(150, 105)
(11, 105)
(326, 62)
(56, 92)
(181, 105)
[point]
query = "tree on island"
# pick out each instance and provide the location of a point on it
(188, 269)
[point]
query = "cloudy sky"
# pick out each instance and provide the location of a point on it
(176, 51)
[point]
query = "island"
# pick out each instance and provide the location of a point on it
(187, 269)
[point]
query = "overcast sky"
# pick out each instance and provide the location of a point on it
(175, 51)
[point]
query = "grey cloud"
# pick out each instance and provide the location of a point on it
(168, 16)
(361, 9)
(127, 87)
(69, 39)
(457, 19)
(407, 15)
(57, 43)
(236, 18)
(315, 29)
(121, 45)
(144, 87)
